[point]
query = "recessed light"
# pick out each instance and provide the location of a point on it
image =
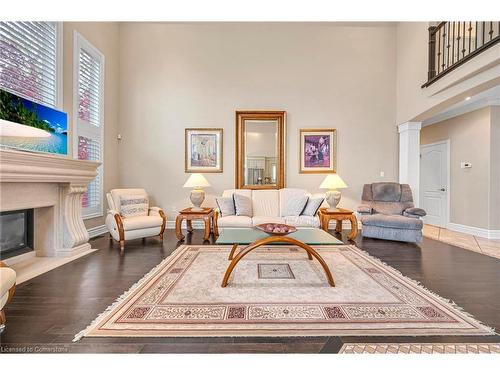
(467, 98)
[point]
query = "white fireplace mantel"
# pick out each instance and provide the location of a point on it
(53, 186)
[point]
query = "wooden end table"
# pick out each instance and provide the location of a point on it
(339, 214)
(208, 215)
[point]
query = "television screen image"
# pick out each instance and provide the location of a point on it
(30, 126)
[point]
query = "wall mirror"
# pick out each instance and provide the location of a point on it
(260, 149)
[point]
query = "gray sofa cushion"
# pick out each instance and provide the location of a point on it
(386, 191)
(293, 207)
(243, 205)
(406, 235)
(312, 206)
(414, 211)
(364, 209)
(226, 206)
(388, 208)
(392, 221)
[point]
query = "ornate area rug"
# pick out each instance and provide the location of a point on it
(277, 291)
(420, 348)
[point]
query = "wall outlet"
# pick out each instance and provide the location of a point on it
(465, 164)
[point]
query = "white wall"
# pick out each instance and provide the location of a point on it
(174, 76)
(469, 136)
(494, 191)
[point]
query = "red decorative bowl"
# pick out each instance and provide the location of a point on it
(275, 229)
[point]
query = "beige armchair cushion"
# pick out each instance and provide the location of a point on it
(114, 202)
(141, 222)
(132, 205)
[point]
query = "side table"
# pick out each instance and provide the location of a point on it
(339, 214)
(207, 214)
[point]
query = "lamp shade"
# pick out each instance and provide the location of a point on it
(196, 180)
(332, 182)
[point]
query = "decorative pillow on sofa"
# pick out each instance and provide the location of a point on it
(312, 206)
(134, 205)
(243, 205)
(294, 206)
(226, 206)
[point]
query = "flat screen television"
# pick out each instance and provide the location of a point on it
(29, 126)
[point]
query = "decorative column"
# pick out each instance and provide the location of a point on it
(409, 157)
(75, 235)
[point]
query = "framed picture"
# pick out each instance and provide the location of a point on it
(318, 151)
(203, 150)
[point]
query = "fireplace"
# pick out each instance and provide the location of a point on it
(52, 186)
(16, 233)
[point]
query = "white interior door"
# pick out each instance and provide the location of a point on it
(434, 187)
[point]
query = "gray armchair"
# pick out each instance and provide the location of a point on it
(387, 212)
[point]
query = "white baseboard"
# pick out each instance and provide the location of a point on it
(198, 224)
(475, 231)
(97, 231)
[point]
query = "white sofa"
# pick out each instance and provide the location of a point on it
(129, 228)
(267, 206)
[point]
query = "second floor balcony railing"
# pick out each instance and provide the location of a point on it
(452, 43)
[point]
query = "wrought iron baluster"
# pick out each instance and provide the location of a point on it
(463, 40)
(444, 43)
(483, 25)
(448, 45)
(491, 30)
(453, 44)
(470, 29)
(439, 51)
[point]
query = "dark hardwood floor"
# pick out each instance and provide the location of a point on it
(49, 310)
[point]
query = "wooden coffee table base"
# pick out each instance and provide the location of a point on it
(266, 241)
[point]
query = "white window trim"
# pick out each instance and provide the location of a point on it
(59, 65)
(59, 71)
(80, 42)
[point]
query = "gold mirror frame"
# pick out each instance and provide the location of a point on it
(280, 118)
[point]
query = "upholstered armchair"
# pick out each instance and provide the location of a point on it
(7, 289)
(130, 216)
(387, 212)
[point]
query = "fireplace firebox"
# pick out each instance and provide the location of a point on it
(16, 233)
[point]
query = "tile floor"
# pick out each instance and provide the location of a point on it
(466, 241)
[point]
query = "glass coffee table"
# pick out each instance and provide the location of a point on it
(254, 238)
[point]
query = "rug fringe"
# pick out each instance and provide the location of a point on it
(123, 296)
(447, 302)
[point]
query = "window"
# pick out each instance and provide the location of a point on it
(30, 55)
(88, 115)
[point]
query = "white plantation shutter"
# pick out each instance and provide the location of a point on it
(29, 60)
(88, 116)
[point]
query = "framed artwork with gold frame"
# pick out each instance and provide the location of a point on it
(318, 151)
(203, 150)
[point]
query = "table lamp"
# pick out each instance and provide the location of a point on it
(333, 182)
(197, 182)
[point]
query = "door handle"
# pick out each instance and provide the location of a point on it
(442, 189)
